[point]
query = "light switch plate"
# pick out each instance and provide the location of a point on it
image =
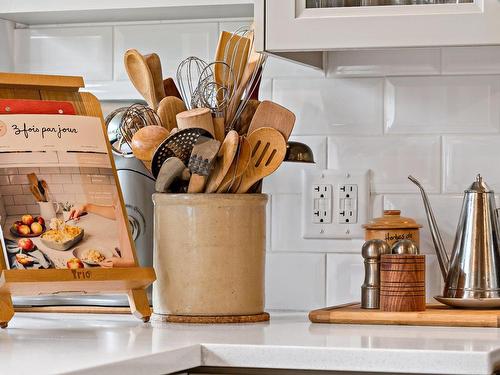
(335, 203)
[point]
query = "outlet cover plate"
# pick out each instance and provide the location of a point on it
(337, 228)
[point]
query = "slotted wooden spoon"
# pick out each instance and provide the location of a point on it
(140, 76)
(223, 162)
(272, 115)
(268, 151)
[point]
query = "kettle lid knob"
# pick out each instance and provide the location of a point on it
(479, 186)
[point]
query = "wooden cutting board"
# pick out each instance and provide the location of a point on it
(434, 315)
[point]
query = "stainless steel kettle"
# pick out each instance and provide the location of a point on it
(474, 269)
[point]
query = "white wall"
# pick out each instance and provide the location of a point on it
(6, 45)
(434, 113)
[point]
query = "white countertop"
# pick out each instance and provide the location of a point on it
(119, 344)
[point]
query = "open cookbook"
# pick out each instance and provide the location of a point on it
(59, 202)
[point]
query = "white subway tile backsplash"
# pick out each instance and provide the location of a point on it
(332, 106)
(277, 67)
(295, 281)
(80, 51)
(288, 178)
(286, 230)
(471, 60)
(466, 156)
(433, 279)
(387, 62)
(173, 42)
(391, 160)
(386, 110)
(426, 105)
(344, 276)
(15, 210)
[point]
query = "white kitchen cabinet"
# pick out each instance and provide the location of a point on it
(290, 26)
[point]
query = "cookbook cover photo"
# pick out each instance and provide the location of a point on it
(60, 206)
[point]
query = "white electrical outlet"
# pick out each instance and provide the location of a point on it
(335, 203)
(322, 204)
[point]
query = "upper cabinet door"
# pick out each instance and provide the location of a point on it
(321, 25)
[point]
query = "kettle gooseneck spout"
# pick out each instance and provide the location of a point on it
(442, 255)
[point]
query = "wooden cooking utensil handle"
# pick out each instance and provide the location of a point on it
(197, 183)
(196, 118)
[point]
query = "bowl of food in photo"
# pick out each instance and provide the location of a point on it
(61, 236)
(28, 226)
(92, 256)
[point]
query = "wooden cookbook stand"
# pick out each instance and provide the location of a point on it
(131, 281)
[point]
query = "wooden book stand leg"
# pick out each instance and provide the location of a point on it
(139, 304)
(6, 309)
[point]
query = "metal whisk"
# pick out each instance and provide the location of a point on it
(216, 94)
(188, 73)
(136, 117)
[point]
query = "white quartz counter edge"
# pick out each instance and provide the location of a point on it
(119, 344)
(297, 358)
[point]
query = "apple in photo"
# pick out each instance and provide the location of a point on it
(23, 230)
(74, 263)
(27, 219)
(16, 225)
(25, 244)
(40, 220)
(36, 228)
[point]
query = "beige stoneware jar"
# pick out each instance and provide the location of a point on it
(393, 227)
(209, 254)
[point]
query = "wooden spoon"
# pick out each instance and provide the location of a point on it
(146, 140)
(140, 76)
(168, 109)
(268, 151)
(154, 64)
(171, 88)
(232, 179)
(272, 115)
(224, 160)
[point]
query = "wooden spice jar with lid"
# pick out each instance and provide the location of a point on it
(392, 227)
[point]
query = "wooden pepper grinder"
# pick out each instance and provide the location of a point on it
(402, 282)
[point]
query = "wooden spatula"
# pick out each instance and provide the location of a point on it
(171, 88)
(268, 151)
(248, 72)
(233, 50)
(140, 76)
(201, 161)
(223, 162)
(154, 64)
(240, 163)
(243, 123)
(272, 115)
(168, 109)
